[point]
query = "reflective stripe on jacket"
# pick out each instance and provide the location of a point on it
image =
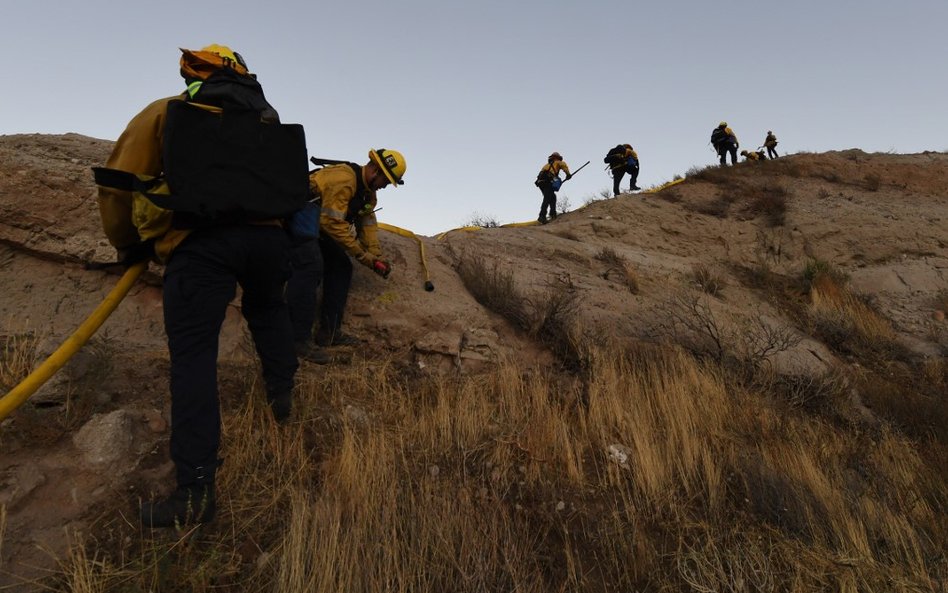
(337, 185)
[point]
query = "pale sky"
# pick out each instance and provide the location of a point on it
(477, 94)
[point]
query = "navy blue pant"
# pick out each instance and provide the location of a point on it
(306, 264)
(200, 282)
(337, 278)
(549, 199)
(618, 174)
(724, 150)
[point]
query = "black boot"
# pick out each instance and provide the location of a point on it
(188, 505)
(281, 406)
(309, 351)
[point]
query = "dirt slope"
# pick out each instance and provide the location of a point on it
(882, 219)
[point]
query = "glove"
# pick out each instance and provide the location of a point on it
(569, 176)
(367, 259)
(382, 268)
(133, 254)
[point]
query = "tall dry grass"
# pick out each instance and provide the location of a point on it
(844, 320)
(669, 478)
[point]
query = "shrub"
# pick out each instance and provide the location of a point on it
(710, 281)
(873, 182)
(482, 220)
(618, 265)
(609, 256)
(770, 201)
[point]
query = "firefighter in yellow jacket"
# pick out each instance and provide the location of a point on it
(348, 228)
(548, 180)
(206, 258)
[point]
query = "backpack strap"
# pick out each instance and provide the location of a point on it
(125, 181)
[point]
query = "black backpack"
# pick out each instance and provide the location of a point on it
(614, 156)
(236, 165)
(718, 136)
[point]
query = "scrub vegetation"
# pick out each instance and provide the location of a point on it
(655, 471)
(659, 467)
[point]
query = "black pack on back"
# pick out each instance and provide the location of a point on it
(614, 156)
(232, 164)
(237, 163)
(718, 136)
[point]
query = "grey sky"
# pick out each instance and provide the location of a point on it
(477, 94)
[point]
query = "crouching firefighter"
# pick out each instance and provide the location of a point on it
(204, 179)
(348, 227)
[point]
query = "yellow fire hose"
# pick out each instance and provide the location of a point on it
(429, 286)
(72, 344)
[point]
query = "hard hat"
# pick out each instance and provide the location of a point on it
(391, 162)
(226, 53)
(744, 152)
(723, 124)
(769, 132)
(629, 146)
(555, 156)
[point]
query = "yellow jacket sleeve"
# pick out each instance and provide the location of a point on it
(127, 219)
(560, 166)
(337, 186)
(369, 230)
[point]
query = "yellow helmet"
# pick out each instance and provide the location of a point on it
(723, 124)
(391, 162)
(226, 53)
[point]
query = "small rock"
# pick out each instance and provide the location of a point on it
(560, 505)
(105, 439)
(938, 315)
(619, 453)
(433, 471)
(155, 421)
(356, 415)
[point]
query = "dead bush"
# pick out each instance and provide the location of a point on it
(826, 394)
(689, 320)
(708, 279)
(548, 316)
(718, 207)
(872, 182)
(482, 220)
(610, 256)
(769, 200)
(671, 195)
(618, 267)
(552, 321)
(786, 167)
(494, 288)
(715, 174)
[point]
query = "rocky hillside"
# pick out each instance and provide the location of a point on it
(725, 264)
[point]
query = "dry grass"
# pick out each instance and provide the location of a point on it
(708, 279)
(769, 201)
(845, 322)
(17, 358)
(696, 323)
(618, 266)
(670, 478)
(547, 315)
